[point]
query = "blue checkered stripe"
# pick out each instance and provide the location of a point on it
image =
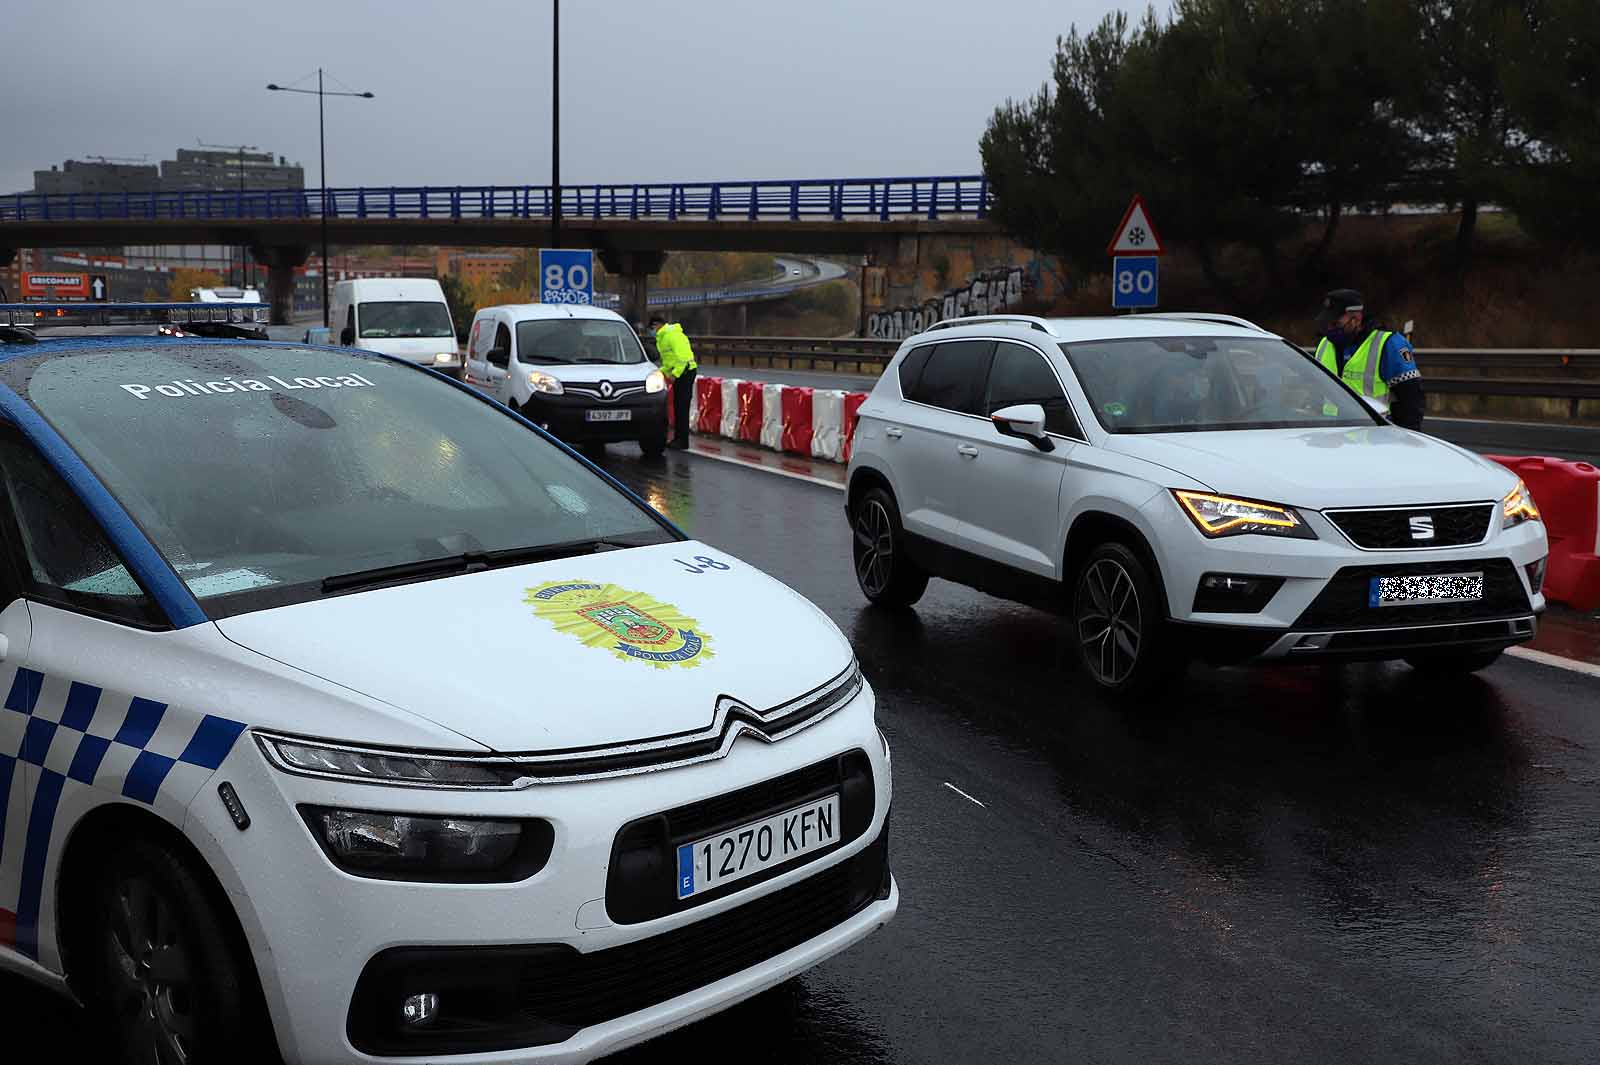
(139, 748)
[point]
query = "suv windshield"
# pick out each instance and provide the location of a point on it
(577, 340)
(404, 318)
(259, 472)
(1196, 384)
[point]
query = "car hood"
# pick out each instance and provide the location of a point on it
(1320, 468)
(415, 349)
(594, 372)
(506, 658)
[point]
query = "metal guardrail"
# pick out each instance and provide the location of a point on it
(837, 199)
(1571, 374)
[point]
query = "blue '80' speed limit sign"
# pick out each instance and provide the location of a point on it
(1135, 281)
(566, 276)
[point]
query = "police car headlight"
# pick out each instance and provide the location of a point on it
(543, 382)
(1518, 507)
(1216, 516)
(655, 382)
(378, 766)
(404, 846)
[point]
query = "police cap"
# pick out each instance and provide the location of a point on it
(1337, 303)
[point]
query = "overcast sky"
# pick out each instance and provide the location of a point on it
(651, 91)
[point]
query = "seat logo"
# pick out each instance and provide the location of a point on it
(605, 389)
(1421, 527)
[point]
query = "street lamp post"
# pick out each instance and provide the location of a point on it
(322, 150)
(555, 128)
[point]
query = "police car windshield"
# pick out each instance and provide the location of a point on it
(1200, 384)
(577, 340)
(260, 471)
(404, 318)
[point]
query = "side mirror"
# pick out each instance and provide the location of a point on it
(347, 336)
(1380, 407)
(1024, 421)
(499, 356)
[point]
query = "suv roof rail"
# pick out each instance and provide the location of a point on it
(1041, 324)
(1203, 316)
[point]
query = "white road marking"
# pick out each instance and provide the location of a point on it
(768, 469)
(963, 794)
(1544, 658)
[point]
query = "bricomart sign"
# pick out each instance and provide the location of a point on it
(55, 286)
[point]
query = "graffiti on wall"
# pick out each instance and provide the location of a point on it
(987, 293)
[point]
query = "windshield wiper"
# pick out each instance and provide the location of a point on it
(465, 562)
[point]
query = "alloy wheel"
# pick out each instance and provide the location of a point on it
(874, 548)
(1110, 623)
(152, 977)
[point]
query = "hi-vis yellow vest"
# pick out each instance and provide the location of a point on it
(1361, 372)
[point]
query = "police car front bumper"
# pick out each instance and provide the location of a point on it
(1306, 598)
(339, 953)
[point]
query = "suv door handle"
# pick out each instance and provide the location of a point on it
(894, 432)
(967, 451)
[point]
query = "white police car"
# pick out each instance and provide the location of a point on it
(1185, 486)
(347, 716)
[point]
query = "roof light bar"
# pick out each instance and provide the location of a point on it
(91, 314)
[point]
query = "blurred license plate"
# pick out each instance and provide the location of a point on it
(707, 864)
(1433, 588)
(609, 415)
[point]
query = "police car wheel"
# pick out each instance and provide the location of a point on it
(1119, 629)
(1453, 665)
(884, 571)
(165, 970)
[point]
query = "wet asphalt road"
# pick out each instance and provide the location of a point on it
(1307, 864)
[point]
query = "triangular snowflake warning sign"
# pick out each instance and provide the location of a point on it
(1135, 235)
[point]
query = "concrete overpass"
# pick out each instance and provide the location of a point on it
(632, 227)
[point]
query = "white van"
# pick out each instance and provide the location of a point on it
(406, 317)
(577, 371)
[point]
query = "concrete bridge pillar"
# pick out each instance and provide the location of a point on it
(281, 262)
(634, 268)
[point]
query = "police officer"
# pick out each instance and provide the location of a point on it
(1370, 359)
(678, 366)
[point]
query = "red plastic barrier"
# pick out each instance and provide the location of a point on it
(852, 405)
(1568, 497)
(750, 411)
(709, 393)
(797, 421)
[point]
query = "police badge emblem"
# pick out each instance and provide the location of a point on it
(631, 625)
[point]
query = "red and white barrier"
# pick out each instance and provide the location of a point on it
(796, 438)
(827, 424)
(818, 422)
(1568, 497)
(772, 416)
(730, 408)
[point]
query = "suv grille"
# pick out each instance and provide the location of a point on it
(1459, 525)
(1343, 603)
(640, 885)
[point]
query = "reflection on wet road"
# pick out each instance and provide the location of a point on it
(1302, 864)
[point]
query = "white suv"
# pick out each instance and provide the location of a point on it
(1184, 486)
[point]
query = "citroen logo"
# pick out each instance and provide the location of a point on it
(605, 389)
(1421, 527)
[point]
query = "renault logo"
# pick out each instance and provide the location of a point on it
(1421, 527)
(605, 389)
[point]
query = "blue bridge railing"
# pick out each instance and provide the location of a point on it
(833, 198)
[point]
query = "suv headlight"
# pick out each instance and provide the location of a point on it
(1518, 507)
(407, 769)
(543, 382)
(656, 382)
(1217, 516)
